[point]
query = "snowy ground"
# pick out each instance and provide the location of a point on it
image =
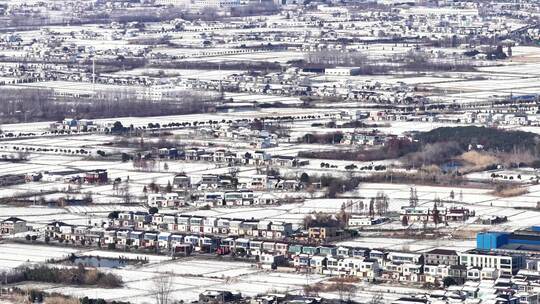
(15, 255)
(189, 276)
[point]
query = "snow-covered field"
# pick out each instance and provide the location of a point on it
(189, 278)
(14, 255)
(190, 275)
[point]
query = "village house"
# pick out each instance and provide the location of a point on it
(181, 181)
(183, 223)
(426, 214)
(165, 200)
(193, 154)
(358, 221)
(403, 266)
(71, 124)
(266, 199)
(207, 181)
(98, 176)
(273, 260)
(441, 257)
(288, 161)
(322, 234)
(164, 240)
(150, 239)
(13, 225)
(125, 219)
(166, 153)
(123, 237)
(141, 219)
(109, 237)
(363, 139)
(59, 230)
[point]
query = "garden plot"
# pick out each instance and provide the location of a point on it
(494, 86)
(14, 255)
(31, 189)
(518, 70)
(35, 164)
(192, 276)
(203, 268)
(103, 209)
(38, 217)
(275, 213)
(30, 211)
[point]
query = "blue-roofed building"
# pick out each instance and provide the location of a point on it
(520, 240)
(491, 240)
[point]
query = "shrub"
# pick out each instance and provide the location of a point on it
(69, 276)
(507, 190)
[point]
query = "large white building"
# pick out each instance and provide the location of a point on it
(504, 263)
(217, 4)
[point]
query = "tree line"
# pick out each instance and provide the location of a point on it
(31, 105)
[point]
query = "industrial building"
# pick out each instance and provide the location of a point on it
(526, 240)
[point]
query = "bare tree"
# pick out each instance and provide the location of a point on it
(413, 198)
(371, 207)
(126, 193)
(381, 203)
(436, 215)
(163, 287)
(345, 290)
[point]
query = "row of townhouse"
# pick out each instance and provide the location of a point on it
(254, 182)
(203, 182)
(75, 234)
(235, 198)
(473, 264)
(84, 125)
(521, 119)
(214, 198)
(430, 267)
(203, 225)
(428, 214)
(203, 234)
(97, 176)
(257, 139)
(365, 138)
(361, 262)
(166, 200)
(256, 158)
